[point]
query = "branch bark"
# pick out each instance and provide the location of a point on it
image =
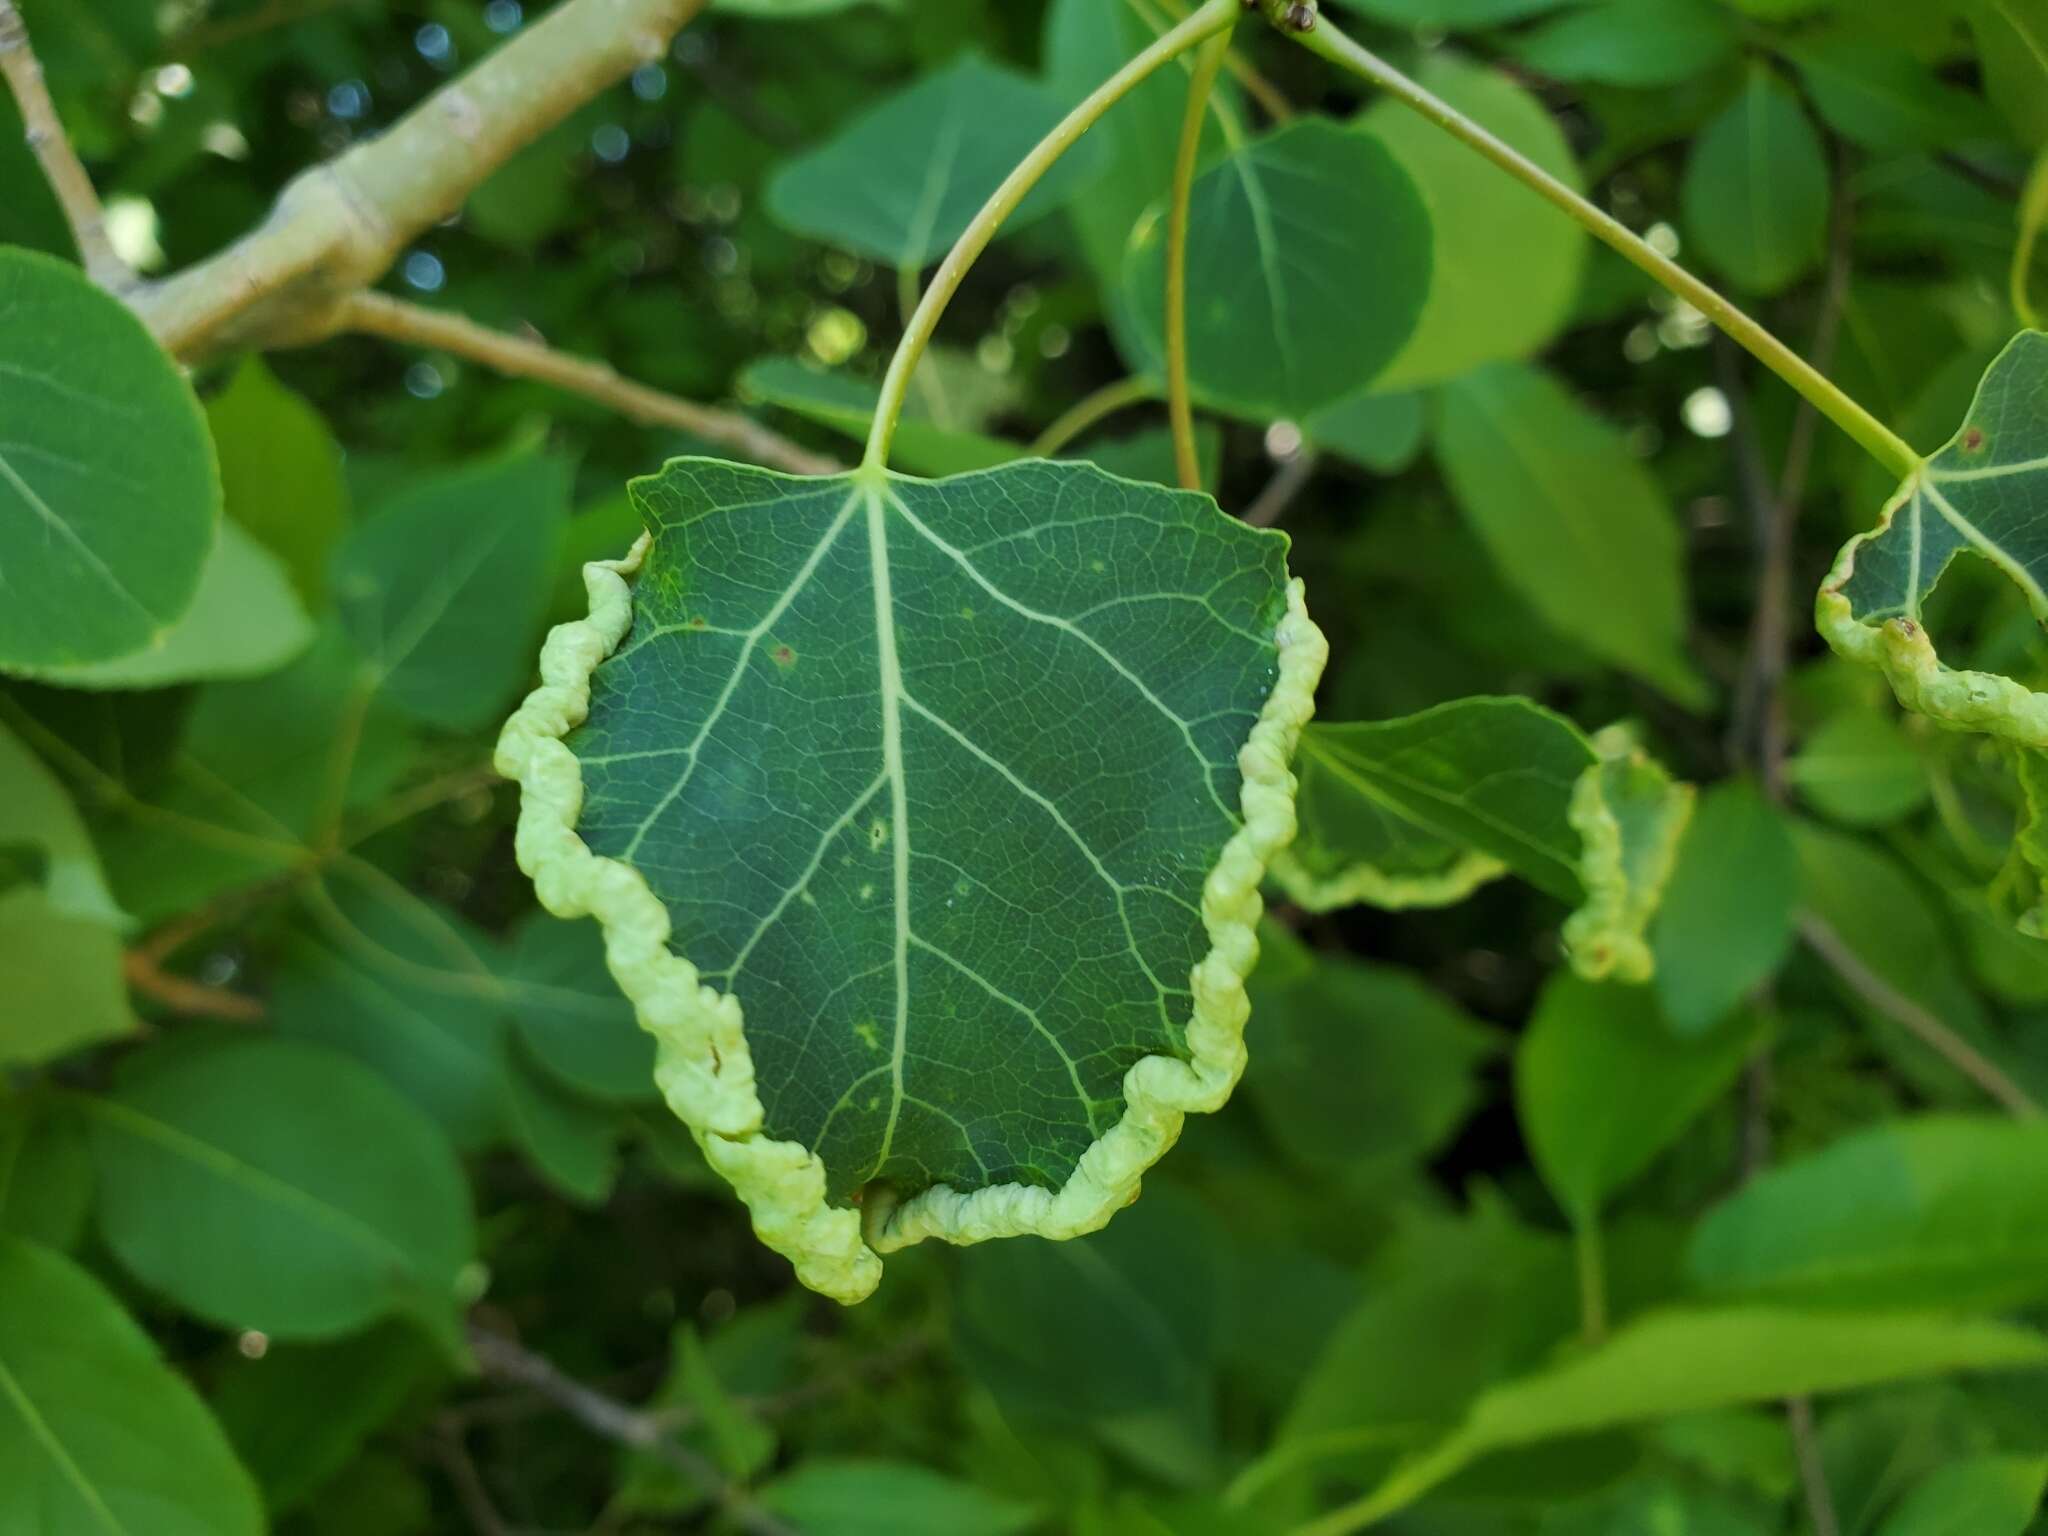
(377, 314)
(60, 164)
(336, 228)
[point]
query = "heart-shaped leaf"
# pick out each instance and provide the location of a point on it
(1985, 492)
(956, 795)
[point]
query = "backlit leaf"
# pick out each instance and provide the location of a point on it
(1756, 189)
(1726, 919)
(97, 1434)
(924, 776)
(103, 551)
(1309, 261)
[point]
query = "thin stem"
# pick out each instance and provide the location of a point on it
(908, 280)
(1161, 21)
(1914, 1019)
(376, 314)
(1288, 482)
(1213, 17)
(61, 167)
(1592, 1263)
(1180, 407)
(1326, 41)
(2033, 212)
(1813, 1474)
(1271, 99)
(1089, 410)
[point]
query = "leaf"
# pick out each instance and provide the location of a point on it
(245, 620)
(1725, 923)
(1506, 267)
(1382, 433)
(856, 760)
(1882, 98)
(45, 1172)
(1984, 492)
(835, 1496)
(1421, 810)
(1309, 261)
(280, 473)
(1756, 189)
(570, 1015)
(847, 405)
(442, 586)
(64, 982)
(103, 552)
(1982, 1496)
(1944, 1211)
(272, 1185)
(1692, 1360)
(1602, 1087)
(1453, 15)
(1573, 520)
(1642, 44)
(901, 182)
(1358, 1062)
(36, 811)
(97, 1435)
(1859, 768)
(1661, 1504)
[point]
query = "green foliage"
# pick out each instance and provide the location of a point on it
(1586, 1115)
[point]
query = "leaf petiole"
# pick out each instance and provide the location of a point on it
(1328, 42)
(1213, 17)
(1179, 407)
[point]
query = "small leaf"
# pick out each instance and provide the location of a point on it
(103, 551)
(1986, 493)
(900, 182)
(46, 1180)
(1689, 1361)
(1573, 520)
(1602, 1087)
(1421, 810)
(245, 620)
(97, 1434)
(831, 1496)
(1453, 15)
(1861, 769)
(1725, 923)
(272, 1185)
(1506, 268)
(36, 812)
(443, 585)
(570, 1013)
(280, 473)
(1643, 44)
(1938, 1212)
(1882, 98)
(1981, 1496)
(1756, 189)
(64, 984)
(1382, 432)
(1309, 257)
(925, 777)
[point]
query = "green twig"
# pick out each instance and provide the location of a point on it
(1180, 407)
(1212, 18)
(1587, 1247)
(1090, 409)
(1880, 442)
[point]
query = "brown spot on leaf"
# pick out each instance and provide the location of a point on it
(1973, 440)
(784, 656)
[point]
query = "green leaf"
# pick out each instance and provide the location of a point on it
(221, 1186)
(1573, 520)
(847, 406)
(571, 1141)
(1643, 44)
(1691, 1360)
(1726, 919)
(833, 1496)
(1860, 768)
(1507, 265)
(245, 620)
(46, 1180)
(1602, 1087)
(1309, 261)
(1358, 1062)
(1884, 99)
(1756, 189)
(1986, 493)
(443, 586)
(1938, 1212)
(102, 551)
(36, 811)
(1421, 810)
(865, 732)
(570, 1014)
(280, 473)
(900, 182)
(1452, 15)
(64, 980)
(1983, 1496)
(1383, 433)
(2021, 889)
(1661, 1504)
(97, 1435)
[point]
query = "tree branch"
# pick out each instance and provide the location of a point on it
(505, 1361)
(376, 314)
(54, 153)
(1913, 1018)
(336, 228)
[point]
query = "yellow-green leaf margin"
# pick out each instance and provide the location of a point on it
(703, 1066)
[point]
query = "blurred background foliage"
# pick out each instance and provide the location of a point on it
(302, 1086)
